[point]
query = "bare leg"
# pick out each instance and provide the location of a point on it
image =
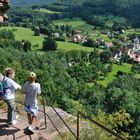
(29, 118)
(33, 120)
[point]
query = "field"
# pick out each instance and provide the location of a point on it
(47, 11)
(133, 31)
(111, 76)
(110, 19)
(27, 34)
(76, 23)
(66, 46)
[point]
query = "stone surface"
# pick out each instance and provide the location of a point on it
(17, 131)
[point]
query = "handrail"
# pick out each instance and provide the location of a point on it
(98, 124)
(45, 114)
(64, 122)
(44, 111)
(54, 125)
(77, 137)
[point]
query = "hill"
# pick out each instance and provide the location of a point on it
(129, 9)
(30, 2)
(124, 3)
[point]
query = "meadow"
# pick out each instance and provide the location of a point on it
(110, 19)
(27, 34)
(76, 23)
(126, 68)
(47, 11)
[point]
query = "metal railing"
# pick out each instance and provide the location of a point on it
(77, 135)
(44, 104)
(97, 124)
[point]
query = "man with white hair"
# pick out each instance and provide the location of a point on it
(8, 95)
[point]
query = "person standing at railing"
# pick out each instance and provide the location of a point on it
(9, 94)
(31, 90)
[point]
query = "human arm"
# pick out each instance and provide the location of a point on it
(38, 89)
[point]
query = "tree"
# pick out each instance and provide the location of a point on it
(49, 43)
(37, 31)
(90, 43)
(26, 45)
(105, 56)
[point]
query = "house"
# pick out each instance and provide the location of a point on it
(77, 38)
(99, 40)
(136, 40)
(116, 55)
(135, 56)
(136, 43)
(105, 32)
(56, 34)
(108, 44)
(78, 32)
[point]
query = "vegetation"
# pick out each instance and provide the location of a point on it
(76, 68)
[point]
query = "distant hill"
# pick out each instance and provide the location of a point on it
(29, 2)
(120, 3)
(129, 9)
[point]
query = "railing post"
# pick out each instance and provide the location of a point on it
(44, 110)
(78, 119)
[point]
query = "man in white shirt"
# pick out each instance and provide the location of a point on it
(9, 96)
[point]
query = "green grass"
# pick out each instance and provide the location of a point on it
(137, 76)
(76, 23)
(132, 31)
(27, 34)
(111, 76)
(47, 11)
(110, 19)
(67, 46)
(104, 37)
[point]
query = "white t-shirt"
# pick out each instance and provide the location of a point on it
(10, 91)
(31, 91)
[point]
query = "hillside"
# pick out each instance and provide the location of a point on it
(30, 2)
(124, 3)
(129, 9)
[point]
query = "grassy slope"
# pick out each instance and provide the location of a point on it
(66, 46)
(110, 19)
(47, 11)
(27, 34)
(111, 76)
(131, 31)
(81, 24)
(76, 23)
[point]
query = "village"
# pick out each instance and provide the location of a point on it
(119, 46)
